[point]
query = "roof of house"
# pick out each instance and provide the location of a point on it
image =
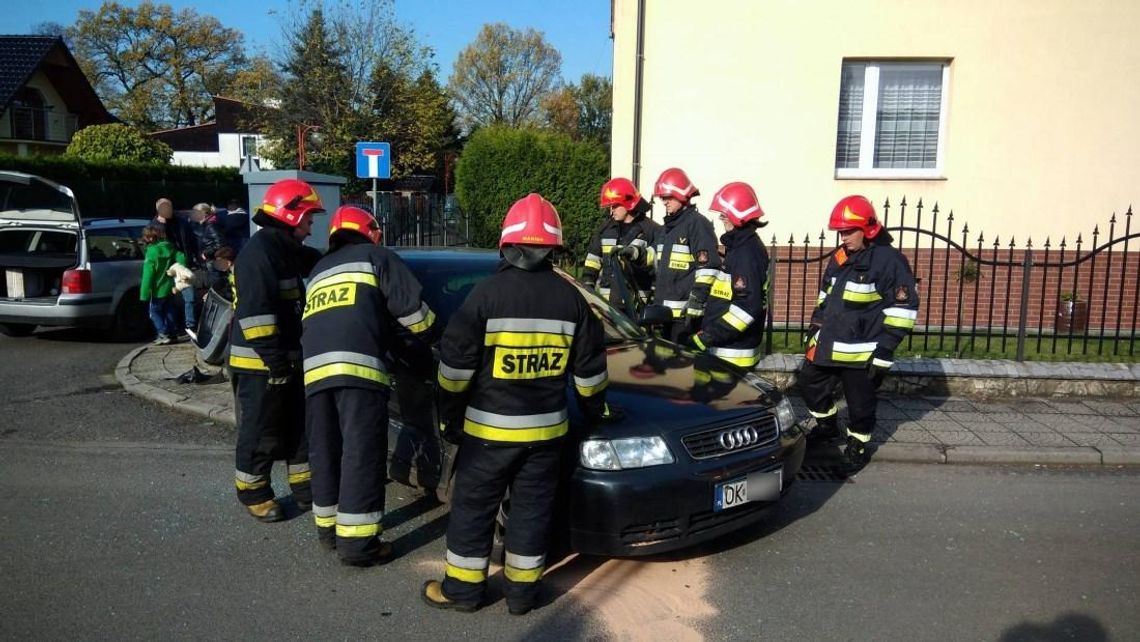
(21, 56)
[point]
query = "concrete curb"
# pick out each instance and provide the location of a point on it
(182, 403)
(919, 453)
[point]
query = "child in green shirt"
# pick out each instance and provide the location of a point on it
(157, 286)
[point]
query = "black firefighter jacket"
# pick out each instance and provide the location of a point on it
(867, 305)
(642, 232)
(733, 325)
(687, 261)
(506, 355)
(356, 297)
(268, 294)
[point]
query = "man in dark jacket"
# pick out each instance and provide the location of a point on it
(265, 348)
(867, 305)
(687, 258)
(504, 363)
(736, 310)
(629, 231)
(358, 296)
(180, 234)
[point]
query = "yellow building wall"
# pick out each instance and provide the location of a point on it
(1043, 116)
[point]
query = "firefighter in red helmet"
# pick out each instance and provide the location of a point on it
(867, 305)
(687, 258)
(358, 297)
(504, 363)
(627, 230)
(736, 310)
(265, 348)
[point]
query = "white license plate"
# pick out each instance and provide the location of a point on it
(756, 487)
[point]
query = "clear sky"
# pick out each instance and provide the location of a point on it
(579, 29)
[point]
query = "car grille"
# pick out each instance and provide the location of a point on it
(731, 439)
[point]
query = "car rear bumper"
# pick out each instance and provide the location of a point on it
(663, 508)
(67, 310)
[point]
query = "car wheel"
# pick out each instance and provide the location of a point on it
(131, 320)
(16, 329)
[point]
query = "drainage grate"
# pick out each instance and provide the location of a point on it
(835, 473)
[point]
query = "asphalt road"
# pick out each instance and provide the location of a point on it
(119, 521)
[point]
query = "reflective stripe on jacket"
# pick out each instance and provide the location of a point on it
(733, 325)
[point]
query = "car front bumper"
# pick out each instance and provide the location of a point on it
(661, 508)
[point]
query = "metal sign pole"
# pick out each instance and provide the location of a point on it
(376, 211)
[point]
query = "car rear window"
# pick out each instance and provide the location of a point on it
(113, 244)
(37, 242)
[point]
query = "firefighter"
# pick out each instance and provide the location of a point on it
(357, 295)
(627, 230)
(265, 348)
(687, 258)
(505, 359)
(736, 311)
(867, 304)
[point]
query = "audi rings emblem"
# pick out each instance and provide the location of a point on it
(739, 438)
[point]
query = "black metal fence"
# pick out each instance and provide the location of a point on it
(412, 219)
(985, 297)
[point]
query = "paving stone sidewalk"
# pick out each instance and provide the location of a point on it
(912, 427)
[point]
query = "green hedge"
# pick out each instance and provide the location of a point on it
(500, 165)
(117, 189)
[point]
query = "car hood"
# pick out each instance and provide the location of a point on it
(663, 388)
(30, 200)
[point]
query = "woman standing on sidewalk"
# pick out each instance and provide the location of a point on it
(157, 285)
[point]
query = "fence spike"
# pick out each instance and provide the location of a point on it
(1129, 212)
(1062, 243)
(886, 202)
(997, 241)
(935, 210)
(773, 239)
(806, 239)
(1047, 246)
(822, 237)
(1079, 240)
(965, 228)
(981, 238)
(792, 239)
(1113, 219)
(1012, 243)
(1029, 243)
(919, 202)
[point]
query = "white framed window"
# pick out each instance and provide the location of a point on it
(892, 119)
(248, 146)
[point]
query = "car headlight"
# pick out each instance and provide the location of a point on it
(617, 454)
(785, 416)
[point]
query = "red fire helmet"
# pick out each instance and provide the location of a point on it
(532, 220)
(619, 191)
(357, 220)
(675, 182)
(738, 202)
(290, 199)
(855, 212)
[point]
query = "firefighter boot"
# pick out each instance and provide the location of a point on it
(433, 596)
(826, 430)
(857, 452)
(269, 511)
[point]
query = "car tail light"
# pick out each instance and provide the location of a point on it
(77, 282)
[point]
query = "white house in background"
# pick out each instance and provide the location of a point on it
(224, 142)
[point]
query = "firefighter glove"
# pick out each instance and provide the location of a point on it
(631, 252)
(278, 381)
(696, 342)
(810, 333)
(452, 432)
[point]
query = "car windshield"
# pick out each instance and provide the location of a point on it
(447, 283)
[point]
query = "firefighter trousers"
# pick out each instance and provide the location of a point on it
(271, 426)
(817, 386)
(348, 447)
(484, 472)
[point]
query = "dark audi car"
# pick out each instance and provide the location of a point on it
(702, 449)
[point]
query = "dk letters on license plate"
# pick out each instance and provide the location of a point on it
(756, 487)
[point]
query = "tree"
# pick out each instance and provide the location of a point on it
(501, 77)
(594, 98)
(118, 142)
(560, 111)
(49, 28)
(154, 67)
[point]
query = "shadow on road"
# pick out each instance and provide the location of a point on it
(1070, 626)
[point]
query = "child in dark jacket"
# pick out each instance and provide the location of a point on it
(157, 286)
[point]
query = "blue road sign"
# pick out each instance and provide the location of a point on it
(373, 160)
